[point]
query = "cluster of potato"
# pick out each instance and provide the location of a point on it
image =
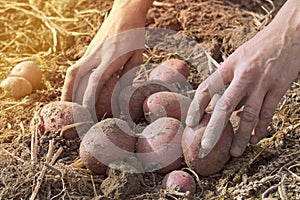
(24, 78)
(164, 145)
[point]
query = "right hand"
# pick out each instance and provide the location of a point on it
(116, 48)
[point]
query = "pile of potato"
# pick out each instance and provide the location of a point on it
(24, 78)
(164, 146)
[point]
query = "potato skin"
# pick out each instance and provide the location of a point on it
(16, 86)
(108, 141)
(166, 104)
(132, 98)
(180, 180)
(30, 71)
(107, 104)
(58, 114)
(216, 159)
(159, 146)
(170, 71)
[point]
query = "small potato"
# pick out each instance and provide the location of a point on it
(179, 181)
(58, 114)
(216, 159)
(132, 98)
(108, 141)
(166, 104)
(171, 71)
(30, 71)
(107, 105)
(159, 146)
(16, 86)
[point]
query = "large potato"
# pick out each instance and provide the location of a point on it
(166, 104)
(132, 98)
(159, 146)
(58, 114)
(108, 141)
(219, 155)
(107, 104)
(170, 71)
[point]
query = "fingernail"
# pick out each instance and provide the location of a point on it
(254, 140)
(205, 144)
(235, 151)
(203, 152)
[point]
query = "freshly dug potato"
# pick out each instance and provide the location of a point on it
(166, 104)
(179, 181)
(131, 98)
(30, 71)
(107, 105)
(216, 159)
(108, 141)
(159, 146)
(170, 71)
(16, 86)
(58, 114)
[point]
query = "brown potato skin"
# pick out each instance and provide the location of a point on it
(132, 98)
(108, 141)
(17, 87)
(160, 145)
(218, 156)
(179, 179)
(57, 114)
(166, 104)
(30, 71)
(170, 71)
(107, 104)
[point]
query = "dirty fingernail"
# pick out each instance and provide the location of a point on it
(254, 139)
(236, 151)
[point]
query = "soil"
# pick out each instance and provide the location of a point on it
(56, 33)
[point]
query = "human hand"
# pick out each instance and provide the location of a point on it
(116, 48)
(261, 71)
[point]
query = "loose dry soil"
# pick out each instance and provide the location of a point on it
(56, 33)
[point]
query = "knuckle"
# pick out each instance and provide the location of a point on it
(266, 114)
(249, 114)
(225, 104)
(203, 89)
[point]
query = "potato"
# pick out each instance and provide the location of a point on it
(16, 86)
(30, 71)
(179, 181)
(159, 146)
(216, 159)
(132, 98)
(107, 104)
(58, 114)
(166, 104)
(170, 71)
(108, 141)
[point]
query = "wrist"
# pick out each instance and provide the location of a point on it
(136, 8)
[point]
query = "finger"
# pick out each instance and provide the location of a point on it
(248, 120)
(111, 50)
(268, 108)
(213, 102)
(220, 116)
(130, 68)
(76, 72)
(204, 93)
